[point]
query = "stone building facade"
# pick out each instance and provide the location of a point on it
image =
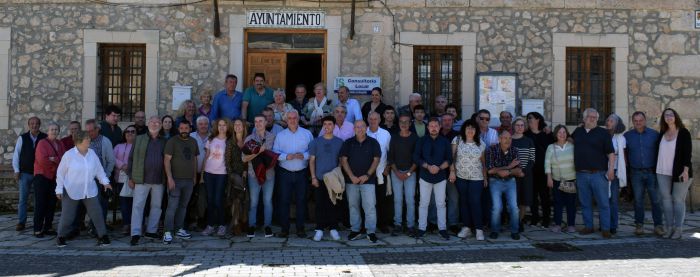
(48, 50)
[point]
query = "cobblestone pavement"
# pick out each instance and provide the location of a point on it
(540, 253)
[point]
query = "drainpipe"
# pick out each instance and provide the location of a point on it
(217, 25)
(352, 20)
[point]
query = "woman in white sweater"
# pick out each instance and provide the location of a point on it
(75, 183)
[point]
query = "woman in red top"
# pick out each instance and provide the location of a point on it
(47, 157)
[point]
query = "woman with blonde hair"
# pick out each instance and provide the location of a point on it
(205, 99)
(280, 108)
(187, 111)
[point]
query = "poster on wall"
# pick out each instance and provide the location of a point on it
(697, 19)
(496, 92)
(357, 85)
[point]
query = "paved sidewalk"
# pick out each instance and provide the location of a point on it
(539, 252)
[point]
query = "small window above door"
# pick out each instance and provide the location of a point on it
(286, 41)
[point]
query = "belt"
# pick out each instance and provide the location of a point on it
(284, 169)
(589, 171)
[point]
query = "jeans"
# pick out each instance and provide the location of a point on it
(614, 199)
(673, 198)
(404, 190)
(326, 211)
(561, 200)
(499, 187)
(216, 186)
(592, 186)
(44, 203)
(178, 198)
(362, 195)
(25, 183)
(68, 211)
(470, 202)
(141, 192)
(292, 183)
(646, 180)
(267, 189)
(426, 190)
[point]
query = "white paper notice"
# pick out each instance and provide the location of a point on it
(180, 94)
(532, 105)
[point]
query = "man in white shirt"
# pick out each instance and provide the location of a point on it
(384, 199)
(351, 105)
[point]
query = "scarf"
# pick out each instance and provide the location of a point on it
(318, 108)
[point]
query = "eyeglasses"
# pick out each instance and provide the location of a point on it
(484, 118)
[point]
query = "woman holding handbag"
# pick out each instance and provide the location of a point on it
(561, 177)
(126, 193)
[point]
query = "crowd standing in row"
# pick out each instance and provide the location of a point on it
(365, 164)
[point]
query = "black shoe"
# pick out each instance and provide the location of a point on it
(268, 232)
(39, 235)
(444, 235)
(410, 232)
(251, 232)
(152, 235)
(104, 241)
(354, 235)
(134, 240)
(515, 236)
(493, 235)
(419, 234)
(283, 234)
(20, 227)
(61, 242)
(613, 231)
(396, 231)
(372, 237)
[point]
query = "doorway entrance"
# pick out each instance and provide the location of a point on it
(286, 57)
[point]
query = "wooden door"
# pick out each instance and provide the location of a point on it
(273, 65)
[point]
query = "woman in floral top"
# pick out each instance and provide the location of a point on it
(467, 172)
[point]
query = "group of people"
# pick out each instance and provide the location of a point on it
(366, 165)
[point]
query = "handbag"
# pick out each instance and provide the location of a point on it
(124, 180)
(565, 186)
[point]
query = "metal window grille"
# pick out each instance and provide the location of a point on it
(122, 75)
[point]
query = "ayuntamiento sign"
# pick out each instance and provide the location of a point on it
(286, 19)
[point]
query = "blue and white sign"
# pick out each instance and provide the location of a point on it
(357, 85)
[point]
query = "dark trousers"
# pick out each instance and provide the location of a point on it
(385, 206)
(564, 200)
(541, 199)
(486, 205)
(125, 204)
(326, 211)
(292, 183)
(216, 186)
(44, 203)
(470, 202)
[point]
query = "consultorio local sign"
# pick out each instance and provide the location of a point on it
(285, 19)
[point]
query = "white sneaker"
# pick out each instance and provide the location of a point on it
(208, 231)
(318, 236)
(222, 231)
(183, 234)
(465, 232)
(479, 234)
(167, 238)
(335, 235)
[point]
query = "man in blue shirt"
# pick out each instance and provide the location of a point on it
(227, 102)
(642, 150)
(433, 154)
(293, 146)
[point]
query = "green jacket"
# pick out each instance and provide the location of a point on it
(137, 158)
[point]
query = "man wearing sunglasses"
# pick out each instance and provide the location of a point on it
(488, 135)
